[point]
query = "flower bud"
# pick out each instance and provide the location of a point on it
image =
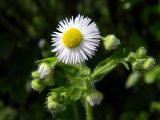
(55, 106)
(130, 57)
(63, 94)
(50, 99)
(37, 85)
(53, 96)
(35, 74)
(138, 64)
(110, 42)
(149, 63)
(141, 52)
(44, 70)
(94, 98)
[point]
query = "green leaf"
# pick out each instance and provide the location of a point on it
(104, 68)
(132, 79)
(76, 94)
(52, 61)
(125, 64)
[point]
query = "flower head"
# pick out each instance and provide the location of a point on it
(76, 40)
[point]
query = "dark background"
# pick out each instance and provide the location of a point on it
(25, 29)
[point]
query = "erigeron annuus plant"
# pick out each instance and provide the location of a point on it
(71, 79)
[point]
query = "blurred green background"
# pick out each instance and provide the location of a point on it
(25, 29)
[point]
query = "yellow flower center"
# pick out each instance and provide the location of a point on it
(72, 37)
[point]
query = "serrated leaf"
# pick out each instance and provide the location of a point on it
(132, 79)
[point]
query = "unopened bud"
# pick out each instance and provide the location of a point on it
(111, 42)
(52, 105)
(52, 97)
(63, 94)
(130, 57)
(44, 70)
(55, 106)
(141, 52)
(138, 64)
(149, 63)
(35, 74)
(94, 98)
(37, 85)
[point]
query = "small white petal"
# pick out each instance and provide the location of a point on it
(44, 70)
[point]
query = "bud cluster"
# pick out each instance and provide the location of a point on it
(42, 77)
(140, 60)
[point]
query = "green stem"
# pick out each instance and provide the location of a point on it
(88, 108)
(75, 111)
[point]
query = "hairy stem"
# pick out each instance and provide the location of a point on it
(88, 107)
(88, 111)
(75, 111)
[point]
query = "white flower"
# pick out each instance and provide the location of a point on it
(76, 40)
(44, 70)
